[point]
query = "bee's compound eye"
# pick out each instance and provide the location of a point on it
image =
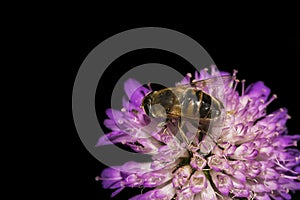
(147, 109)
(146, 103)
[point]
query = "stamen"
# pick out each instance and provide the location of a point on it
(142, 190)
(243, 87)
(283, 167)
(219, 195)
(235, 85)
(97, 178)
(290, 177)
(271, 99)
(231, 112)
(235, 72)
(256, 112)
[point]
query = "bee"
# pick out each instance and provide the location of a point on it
(189, 101)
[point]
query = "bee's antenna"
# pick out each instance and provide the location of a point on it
(190, 77)
(149, 86)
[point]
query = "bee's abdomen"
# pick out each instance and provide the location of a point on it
(205, 105)
(190, 103)
(196, 104)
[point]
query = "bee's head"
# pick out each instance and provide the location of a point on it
(151, 107)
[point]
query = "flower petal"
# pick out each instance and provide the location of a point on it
(135, 91)
(198, 182)
(208, 193)
(258, 90)
(222, 181)
(166, 192)
(197, 161)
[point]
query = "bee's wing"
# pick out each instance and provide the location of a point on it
(216, 87)
(211, 82)
(213, 86)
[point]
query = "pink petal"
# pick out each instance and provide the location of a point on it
(258, 90)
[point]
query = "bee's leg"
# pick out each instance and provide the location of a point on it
(204, 145)
(182, 134)
(162, 125)
(199, 136)
(203, 132)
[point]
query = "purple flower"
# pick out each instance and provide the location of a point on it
(251, 156)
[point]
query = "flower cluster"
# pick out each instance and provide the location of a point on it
(252, 157)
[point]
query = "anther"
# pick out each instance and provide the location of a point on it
(278, 125)
(235, 72)
(271, 99)
(295, 143)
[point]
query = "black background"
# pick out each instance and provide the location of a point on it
(267, 52)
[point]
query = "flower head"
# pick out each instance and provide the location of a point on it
(249, 156)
